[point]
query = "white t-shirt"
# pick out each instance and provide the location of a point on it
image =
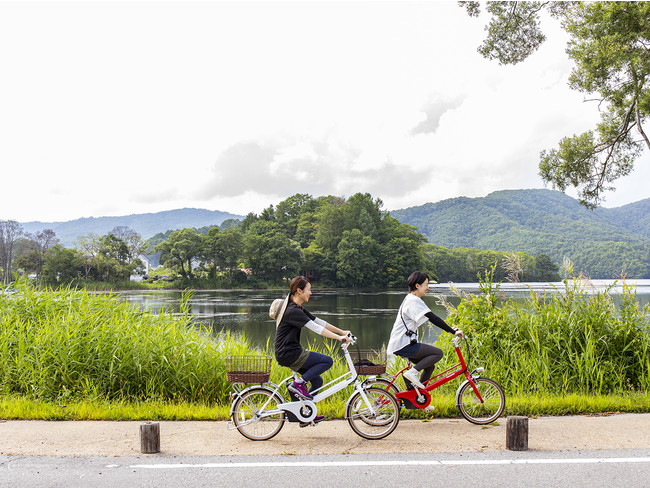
(413, 311)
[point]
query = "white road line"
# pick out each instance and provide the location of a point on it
(327, 464)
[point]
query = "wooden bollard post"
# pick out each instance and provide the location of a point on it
(149, 437)
(517, 433)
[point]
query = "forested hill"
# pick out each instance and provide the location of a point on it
(146, 225)
(603, 242)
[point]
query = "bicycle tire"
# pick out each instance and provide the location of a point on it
(373, 426)
(477, 412)
(246, 414)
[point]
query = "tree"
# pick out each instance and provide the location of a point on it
(229, 249)
(32, 250)
(10, 232)
(114, 261)
(27, 256)
(545, 269)
(131, 238)
(401, 256)
(357, 263)
(610, 44)
(180, 251)
(222, 250)
(61, 265)
(88, 247)
(272, 255)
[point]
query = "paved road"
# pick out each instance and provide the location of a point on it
(630, 468)
(563, 451)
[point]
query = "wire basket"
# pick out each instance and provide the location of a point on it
(248, 369)
(369, 361)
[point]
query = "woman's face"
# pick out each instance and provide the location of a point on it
(421, 289)
(303, 295)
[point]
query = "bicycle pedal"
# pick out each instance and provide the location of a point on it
(315, 420)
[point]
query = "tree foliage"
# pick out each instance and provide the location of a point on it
(334, 241)
(610, 45)
(604, 243)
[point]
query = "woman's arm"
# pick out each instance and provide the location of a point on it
(332, 335)
(438, 322)
(327, 330)
(331, 327)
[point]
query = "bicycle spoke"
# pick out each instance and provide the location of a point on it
(252, 417)
(486, 411)
(375, 417)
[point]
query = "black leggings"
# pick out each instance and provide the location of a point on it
(425, 361)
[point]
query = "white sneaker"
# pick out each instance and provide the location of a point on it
(429, 409)
(413, 375)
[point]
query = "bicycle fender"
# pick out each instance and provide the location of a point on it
(458, 391)
(348, 402)
(270, 387)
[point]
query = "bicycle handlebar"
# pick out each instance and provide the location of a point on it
(353, 340)
(456, 339)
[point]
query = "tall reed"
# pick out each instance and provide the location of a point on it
(574, 341)
(67, 343)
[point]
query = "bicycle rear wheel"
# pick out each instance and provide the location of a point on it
(487, 411)
(384, 384)
(256, 414)
(371, 425)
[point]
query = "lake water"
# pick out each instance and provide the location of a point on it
(368, 314)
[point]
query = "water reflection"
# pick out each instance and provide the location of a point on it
(368, 314)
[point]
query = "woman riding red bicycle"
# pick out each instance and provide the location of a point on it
(403, 342)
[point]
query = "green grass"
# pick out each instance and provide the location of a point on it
(68, 344)
(22, 408)
(560, 343)
(68, 354)
(15, 408)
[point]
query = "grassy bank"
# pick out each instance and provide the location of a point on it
(22, 408)
(68, 354)
(557, 343)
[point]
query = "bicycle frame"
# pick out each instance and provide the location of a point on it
(420, 398)
(305, 410)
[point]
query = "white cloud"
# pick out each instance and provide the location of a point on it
(126, 107)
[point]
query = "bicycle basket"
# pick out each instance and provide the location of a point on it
(248, 369)
(369, 361)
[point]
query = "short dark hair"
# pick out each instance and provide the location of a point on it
(416, 278)
(298, 283)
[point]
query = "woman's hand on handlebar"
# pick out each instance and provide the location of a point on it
(459, 333)
(347, 338)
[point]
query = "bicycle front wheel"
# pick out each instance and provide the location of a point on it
(256, 414)
(376, 418)
(487, 411)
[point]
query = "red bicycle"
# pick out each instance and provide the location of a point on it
(480, 400)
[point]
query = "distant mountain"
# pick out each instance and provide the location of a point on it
(603, 242)
(634, 217)
(147, 225)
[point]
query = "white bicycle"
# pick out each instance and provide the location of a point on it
(259, 411)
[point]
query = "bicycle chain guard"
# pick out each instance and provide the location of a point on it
(301, 411)
(413, 399)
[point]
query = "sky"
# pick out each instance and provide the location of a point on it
(120, 107)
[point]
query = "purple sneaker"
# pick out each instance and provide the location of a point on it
(300, 389)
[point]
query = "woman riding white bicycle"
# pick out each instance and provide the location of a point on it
(290, 318)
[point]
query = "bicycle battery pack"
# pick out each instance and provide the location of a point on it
(301, 411)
